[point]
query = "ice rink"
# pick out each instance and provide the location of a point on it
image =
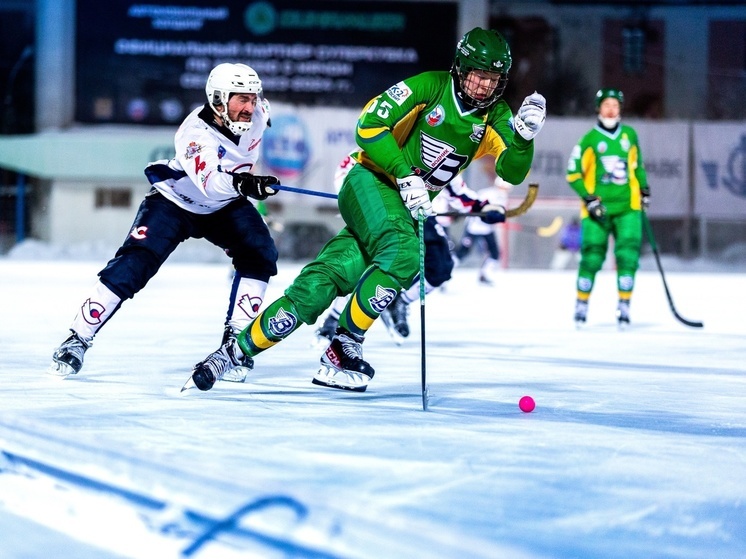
(636, 449)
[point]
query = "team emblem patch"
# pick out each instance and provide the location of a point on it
(383, 297)
(250, 305)
(436, 116)
(221, 152)
(399, 93)
(282, 323)
(139, 233)
(91, 311)
(602, 147)
(193, 149)
(477, 133)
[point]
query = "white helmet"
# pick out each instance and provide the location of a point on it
(226, 79)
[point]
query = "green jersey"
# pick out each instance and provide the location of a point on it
(419, 123)
(608, 165)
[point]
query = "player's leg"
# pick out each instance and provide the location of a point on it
(627, 229)
(158, 228)
(592, 255)
(332, 273)
(386, 233)
(242, 233)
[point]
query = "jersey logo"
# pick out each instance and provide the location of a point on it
(282, 323)
(383, 297)
(436, 116)
(139, 233)
(477, 133)
(443, 162)
(221, 152)
(92, 312)
(193, 149)
(399, 93)
(615, 170)
(250, 305)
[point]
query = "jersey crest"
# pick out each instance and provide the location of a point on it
(442, 161)
(282, 323)
(383, 297)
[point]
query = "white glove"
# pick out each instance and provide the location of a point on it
(531, 116)
(412, 190)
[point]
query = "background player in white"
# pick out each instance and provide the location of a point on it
(481, 234)
(201, 192)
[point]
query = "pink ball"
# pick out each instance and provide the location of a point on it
(527, 404)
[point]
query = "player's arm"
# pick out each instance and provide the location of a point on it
(513, 154)
(580, 172)
(387, 120)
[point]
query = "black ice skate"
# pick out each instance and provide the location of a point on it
(395, 318)
(239, 372)
(622, 314)
(68, 359)
(214, 367)
(342, 364)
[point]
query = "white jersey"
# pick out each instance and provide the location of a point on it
(197, 179)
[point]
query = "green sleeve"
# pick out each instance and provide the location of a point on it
(513, 162)
(640, 173)
(575, 173)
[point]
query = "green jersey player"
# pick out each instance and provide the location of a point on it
(414, 138)
(607, 172)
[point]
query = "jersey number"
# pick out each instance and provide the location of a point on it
(383, 110)
(199, 165)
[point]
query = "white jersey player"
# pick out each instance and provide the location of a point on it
(202, 192)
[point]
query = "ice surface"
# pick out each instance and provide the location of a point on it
(636, 448)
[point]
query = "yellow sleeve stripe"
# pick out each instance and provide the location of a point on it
(371, 134)
(359, 317)
(257, 336)
(574, 176)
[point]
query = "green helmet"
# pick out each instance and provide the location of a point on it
(481, 49)
(606, 92)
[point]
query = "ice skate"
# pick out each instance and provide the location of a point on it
(581, 312)
(214, 367)
(68, 358)
(622, 314)
(395, 319)
(342, 364)
(239, 372)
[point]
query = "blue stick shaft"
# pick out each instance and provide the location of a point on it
(304, 191)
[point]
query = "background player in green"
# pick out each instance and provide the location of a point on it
(607, 172)
(414, 138)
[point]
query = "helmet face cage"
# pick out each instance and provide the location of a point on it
(481, 49)
(227, 79)
(607, 92)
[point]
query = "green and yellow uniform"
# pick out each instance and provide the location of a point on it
(420, 124)
(608, 164)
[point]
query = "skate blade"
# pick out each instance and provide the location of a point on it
(189, 384)
(60, 370)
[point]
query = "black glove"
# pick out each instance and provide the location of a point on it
(493, 212)
(257, 187)
(645, 197)
(595, 208)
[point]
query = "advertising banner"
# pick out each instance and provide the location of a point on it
(720, 170)
(148, 63)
